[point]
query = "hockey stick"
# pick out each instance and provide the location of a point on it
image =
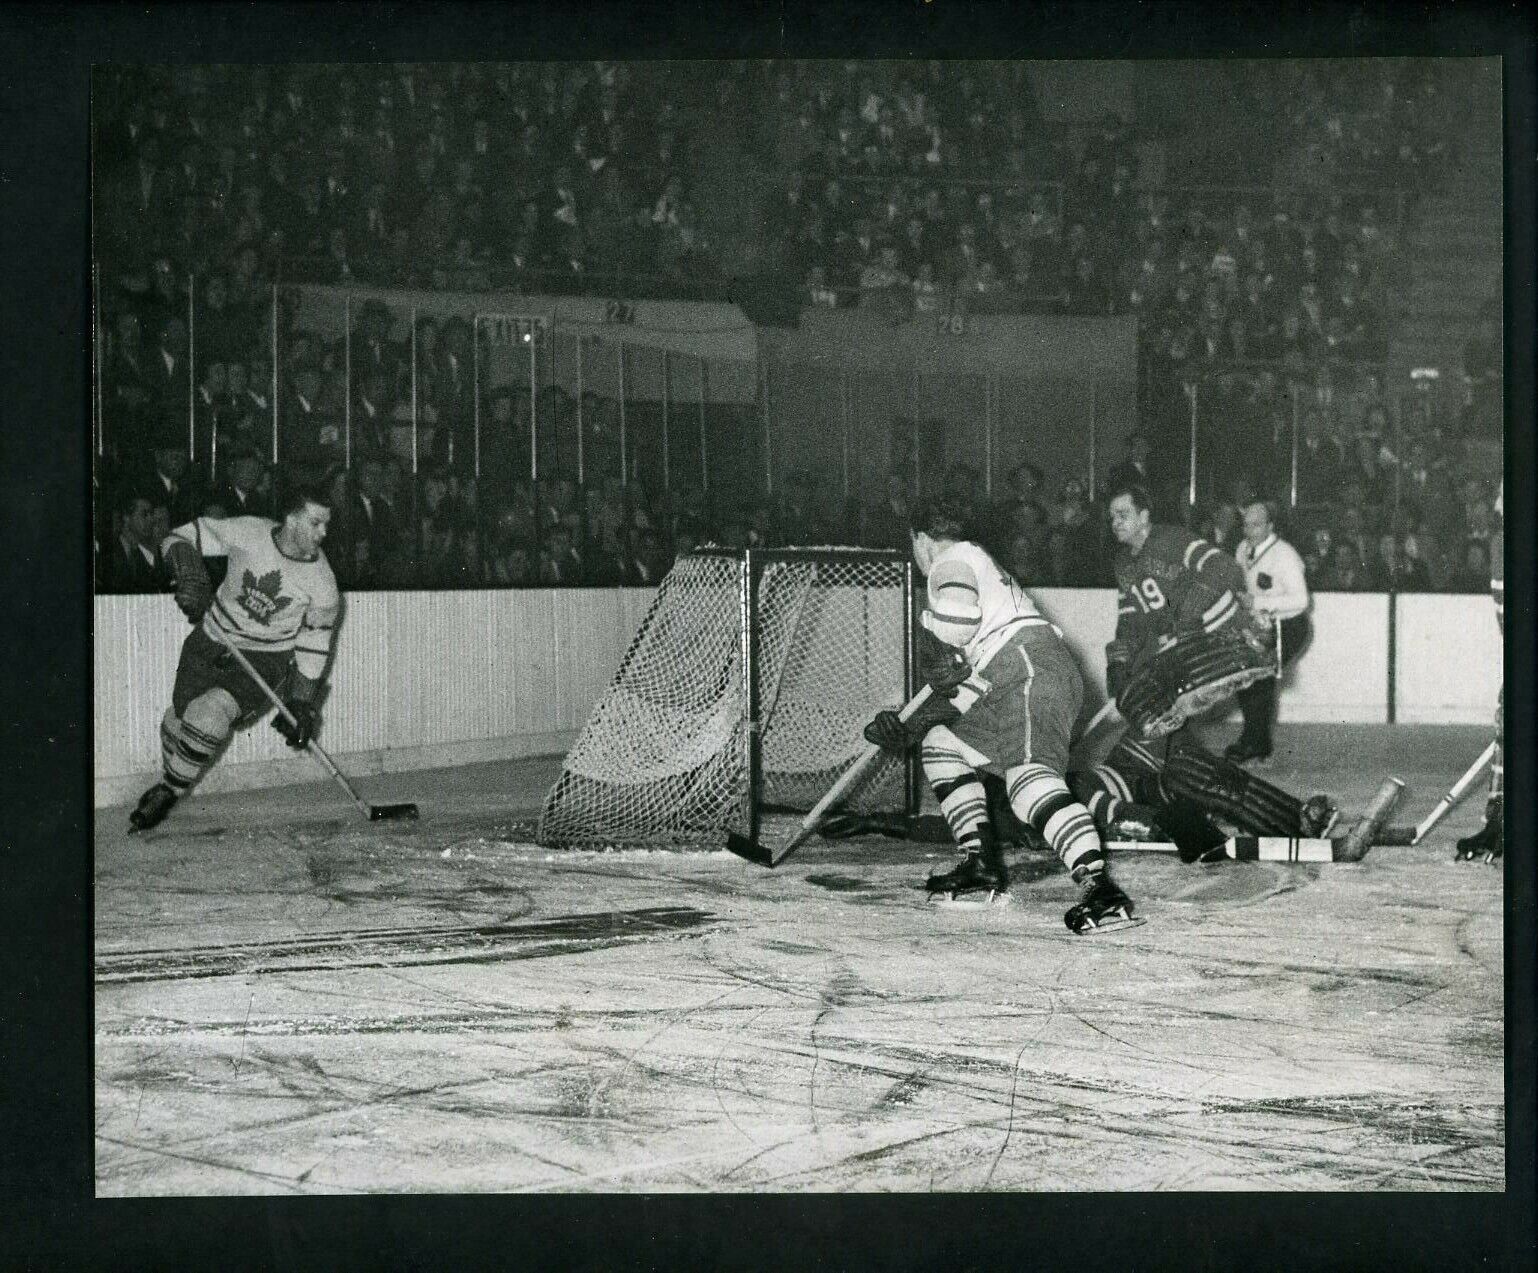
(1454, 795)
(373, 812)
(743, 847)
(1098, 719)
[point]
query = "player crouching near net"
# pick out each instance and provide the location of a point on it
(1006, 695)
(1186, 641)
(278, 604)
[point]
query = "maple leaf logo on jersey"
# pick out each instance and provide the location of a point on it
(259, 597)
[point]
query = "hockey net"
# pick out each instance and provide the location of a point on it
(667, 755)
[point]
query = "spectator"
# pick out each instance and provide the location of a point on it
(167, 479)
(135, 564)
(373, 412)
(509, 562)
(1134, 469)
(1394, 571)
(241, 495)
(560, 562)
(886, 524)
(647, 562)
(1320, 464)
(1473, 571)
(1345, 573)
(1317, 562)
(373, 531)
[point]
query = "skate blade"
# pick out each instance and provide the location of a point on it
(1111, 924)
(970, 901)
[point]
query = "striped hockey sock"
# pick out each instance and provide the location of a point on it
(186, 751)
(963, 802)
(1041, 798)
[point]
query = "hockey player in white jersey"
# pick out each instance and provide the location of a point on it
(278, 605)
(1007, 694)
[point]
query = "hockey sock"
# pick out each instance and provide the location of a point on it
(1042, 799)
(189, 745)
(960, 792)
(1103, 792)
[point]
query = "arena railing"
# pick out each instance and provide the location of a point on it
(651, 434)
(451, 275)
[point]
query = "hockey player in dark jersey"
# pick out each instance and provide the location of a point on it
(1489, 842)
(1171, 583)
(278, 604)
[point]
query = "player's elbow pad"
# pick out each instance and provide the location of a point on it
(1220, 612)
(954, 627)
(955, 610)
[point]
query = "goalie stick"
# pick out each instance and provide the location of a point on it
(373, 812)
(757, 853)
(1454, 795)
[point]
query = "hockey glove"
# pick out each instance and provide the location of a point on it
(943, 666)
(301, 730)
(299, 695)
(194, 593)
(893, 734)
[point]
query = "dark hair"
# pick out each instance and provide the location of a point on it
(1135, 491)
(940, 518)
(128, 498)
(300, 494)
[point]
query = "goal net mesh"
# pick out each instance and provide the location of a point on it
(665, 756)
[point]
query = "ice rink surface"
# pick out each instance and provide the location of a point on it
(292, 1000)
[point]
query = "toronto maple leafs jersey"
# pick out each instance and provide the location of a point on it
(268, 601)
(1177, 582)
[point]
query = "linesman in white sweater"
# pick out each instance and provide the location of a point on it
(1273, 573)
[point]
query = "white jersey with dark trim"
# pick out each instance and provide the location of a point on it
(1274, 573)
(973, 603)
(268, 601)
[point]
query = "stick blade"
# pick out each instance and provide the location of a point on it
(392, 813)
(749, 850)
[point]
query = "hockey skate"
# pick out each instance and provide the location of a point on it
(152, 808)
(1103, 908)
(1318, 818)
(980, 880)
(1488, 844)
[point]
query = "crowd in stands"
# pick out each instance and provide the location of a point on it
(929, 188)
(420, 175)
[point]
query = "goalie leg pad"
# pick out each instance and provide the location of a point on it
(1221, 787)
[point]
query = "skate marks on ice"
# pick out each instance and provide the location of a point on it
(818, 1029)
(401, 948)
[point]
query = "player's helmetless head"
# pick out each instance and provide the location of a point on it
(1130, 518)
(934, 523)
(306, 519)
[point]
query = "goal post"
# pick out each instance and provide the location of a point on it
(744, 692)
